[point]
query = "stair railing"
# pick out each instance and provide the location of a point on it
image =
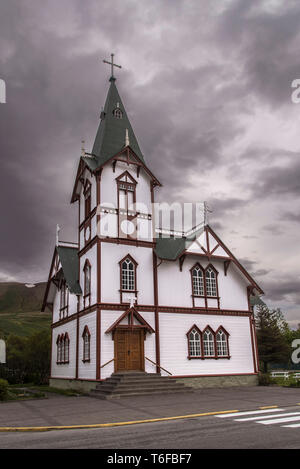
(112, 360)
(158, 366)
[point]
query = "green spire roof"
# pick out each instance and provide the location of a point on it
(110, 138)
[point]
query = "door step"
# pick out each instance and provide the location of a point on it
(122, 384)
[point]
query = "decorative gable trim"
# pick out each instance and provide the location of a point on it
(124, 178)
(138, 163)
(131, 313)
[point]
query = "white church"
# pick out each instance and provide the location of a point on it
(131, 297)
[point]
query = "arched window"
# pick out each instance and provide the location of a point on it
(87, 284)
(118, 113)
(194, 343)
(204, 286)
(64, 297)
(208, 343)
(128, 275)
(87, 199)
(66, 348)
(126, 192)
(211, 282)
(59, 349)
(222, 343)
(86, 336)
(198, 284)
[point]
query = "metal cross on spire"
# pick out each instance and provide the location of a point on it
(112, 65)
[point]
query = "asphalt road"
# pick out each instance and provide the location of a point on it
(257, 429)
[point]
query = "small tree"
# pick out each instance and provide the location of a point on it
(272, 345)
(37, 357)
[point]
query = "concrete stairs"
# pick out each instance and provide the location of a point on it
(137, 383)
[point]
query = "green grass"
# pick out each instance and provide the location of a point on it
(24, 324)
(63, 392)
(21, 392)
(20, 309)
(289, 382)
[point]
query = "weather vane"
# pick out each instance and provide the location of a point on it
(206, 211)
(112, 65)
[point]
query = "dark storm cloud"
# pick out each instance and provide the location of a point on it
(278, 181)
(273, 229)
(224, 207)
(291, 216)
(280, 290)
(266, 43)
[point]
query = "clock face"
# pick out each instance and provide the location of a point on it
(87, 233)
(127, 227)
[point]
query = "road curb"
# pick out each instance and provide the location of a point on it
(113, 424)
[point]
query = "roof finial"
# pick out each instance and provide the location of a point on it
(126, 138)
(82, 148)
(112, 78)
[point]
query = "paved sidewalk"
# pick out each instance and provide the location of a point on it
(83, 410)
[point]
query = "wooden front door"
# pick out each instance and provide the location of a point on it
(129, 349)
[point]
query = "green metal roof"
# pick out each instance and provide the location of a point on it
(69, 262)
(171, 248)
(110, 138)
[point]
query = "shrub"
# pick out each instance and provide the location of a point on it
(264, 379)
(3, 389)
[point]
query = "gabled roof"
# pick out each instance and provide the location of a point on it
(69, 261)
(131, 313)
(110, 138)
(172, 249)
(68, 257)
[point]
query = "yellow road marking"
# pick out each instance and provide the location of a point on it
(269, 407)
(114, 424)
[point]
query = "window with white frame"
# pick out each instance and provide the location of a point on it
(194, 343)
(59, 349)
(208, 343)
(211, 282)
(126, 192)
(128, 275)
(222, 343)
(87, 283)
(66, 348)
(63, 300)
(198, 284)
(86, 344)
(63, 347)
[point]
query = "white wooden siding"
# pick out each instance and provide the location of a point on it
(67, 370)
(87, 370)
(174, 346)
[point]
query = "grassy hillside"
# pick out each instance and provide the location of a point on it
(17, 298)
(20, 308)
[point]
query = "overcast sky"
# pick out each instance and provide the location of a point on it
(207, 87)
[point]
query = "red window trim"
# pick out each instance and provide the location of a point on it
(86, 296)
(205, 296)
(214, 333)
(190, 357)
(62, 339)
(135, 264)
(64, 309)
(87, 199)
(85, 333)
